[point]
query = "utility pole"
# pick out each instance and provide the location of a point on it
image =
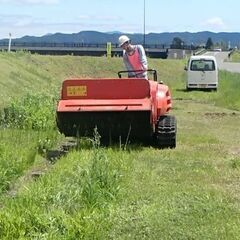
(144, 34)
(9, 42)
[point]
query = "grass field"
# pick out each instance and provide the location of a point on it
(95, 192)
(236, 56)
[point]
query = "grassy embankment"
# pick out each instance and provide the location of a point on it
(191, 192)
(235, 56)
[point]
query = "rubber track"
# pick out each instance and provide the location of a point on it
(166, 129)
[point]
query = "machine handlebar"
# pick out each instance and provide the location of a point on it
(153, 71)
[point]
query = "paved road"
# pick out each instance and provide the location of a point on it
(222, 64)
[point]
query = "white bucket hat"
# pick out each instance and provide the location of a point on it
(122, 39)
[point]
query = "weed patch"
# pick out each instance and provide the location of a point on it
(30, 112)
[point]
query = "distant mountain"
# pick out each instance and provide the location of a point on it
(114, 32)
(166, 38)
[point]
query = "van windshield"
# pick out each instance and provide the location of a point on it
(202, 65)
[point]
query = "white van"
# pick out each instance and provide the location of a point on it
(202, 72)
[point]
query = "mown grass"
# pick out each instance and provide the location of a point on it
(23, 73)
(191, 192)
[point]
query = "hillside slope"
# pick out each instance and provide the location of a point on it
(23, 73)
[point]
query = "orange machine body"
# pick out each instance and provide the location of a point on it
(117, 107)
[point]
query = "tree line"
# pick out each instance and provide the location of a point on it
(178, 43)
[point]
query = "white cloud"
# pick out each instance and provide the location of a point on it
(15, 20)
(215, 23)
(110, 18)
(23, 22)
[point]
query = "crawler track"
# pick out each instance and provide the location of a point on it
(166, 129)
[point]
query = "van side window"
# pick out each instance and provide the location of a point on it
(202, 65)
(194, 67)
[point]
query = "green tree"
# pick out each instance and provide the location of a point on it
(209, 43)
(177, 43)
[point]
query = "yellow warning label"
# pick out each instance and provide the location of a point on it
(79, 91)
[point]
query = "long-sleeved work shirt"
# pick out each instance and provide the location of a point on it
(136, 61)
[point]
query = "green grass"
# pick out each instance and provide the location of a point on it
(44, 74)
(227, 95)
(235, 56)
(191, 192)
(30, 112)
(93, 185)
(19, 150)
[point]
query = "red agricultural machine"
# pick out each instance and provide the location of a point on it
(120, 108)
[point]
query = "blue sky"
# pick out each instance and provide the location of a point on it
(40, 17)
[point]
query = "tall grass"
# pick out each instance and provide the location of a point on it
(18, 151)
(14, 162)
(72, 202)
(27, 128)
(30, 112)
